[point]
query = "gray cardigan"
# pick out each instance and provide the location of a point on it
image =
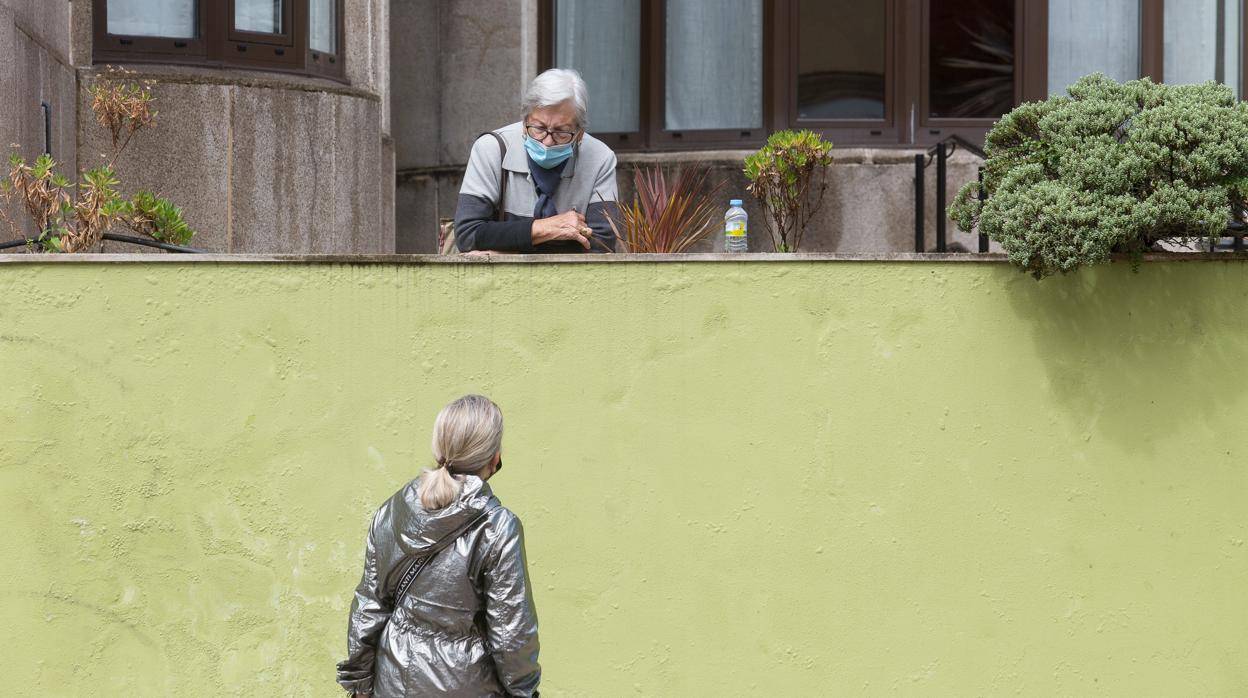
(587, 184)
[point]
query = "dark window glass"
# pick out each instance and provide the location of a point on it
(173, 19)
(971, 61)
(840, 59)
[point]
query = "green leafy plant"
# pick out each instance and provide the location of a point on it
(158, 218)
(1109, 168)
(667, 216)
(788, 176)
(74, 217)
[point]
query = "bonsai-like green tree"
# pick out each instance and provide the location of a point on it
(783, 178)
(1109, 168)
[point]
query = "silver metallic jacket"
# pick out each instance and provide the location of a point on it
(466, 626)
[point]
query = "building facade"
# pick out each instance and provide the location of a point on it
(273, 126)
(299, 126)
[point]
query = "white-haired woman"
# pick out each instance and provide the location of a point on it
(541, 184)
(444, 607)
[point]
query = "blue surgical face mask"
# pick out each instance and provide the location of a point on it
(547, 158)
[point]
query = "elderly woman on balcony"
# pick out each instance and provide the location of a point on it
(542, 184)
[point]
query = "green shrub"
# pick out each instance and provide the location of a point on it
(157, 218)
(1110, 168)
(782, 178)
(75, 217)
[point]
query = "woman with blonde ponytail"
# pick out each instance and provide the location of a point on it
(444, 606)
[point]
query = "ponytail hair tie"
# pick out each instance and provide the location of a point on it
(442, 462)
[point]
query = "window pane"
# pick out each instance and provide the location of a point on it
(971, 62)
(1086, 36)
(840, 59)
(602, 40)
(714, 64)
(1202, 42)
(323, 26)
(165, 18)
(260, 16)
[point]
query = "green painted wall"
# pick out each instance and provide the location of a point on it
(799, 479)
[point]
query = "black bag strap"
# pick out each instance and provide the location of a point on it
(502, 173)
(419, 562)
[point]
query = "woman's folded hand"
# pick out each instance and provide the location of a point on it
(565, 226)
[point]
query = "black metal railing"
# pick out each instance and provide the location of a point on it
(1235, 243)
(939, 154)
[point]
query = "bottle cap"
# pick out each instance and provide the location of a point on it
(734, 202)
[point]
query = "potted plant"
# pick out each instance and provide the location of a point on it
(70, 217)
(1109, 168)
(788, 176)
(668, 213)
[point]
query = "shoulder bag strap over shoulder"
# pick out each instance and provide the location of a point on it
(502, 173)
(419, 562)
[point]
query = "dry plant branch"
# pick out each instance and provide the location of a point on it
(122, 106)
(68, 221)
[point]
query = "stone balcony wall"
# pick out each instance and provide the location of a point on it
(868, 206)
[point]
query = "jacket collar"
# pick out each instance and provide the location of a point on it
(418, 530)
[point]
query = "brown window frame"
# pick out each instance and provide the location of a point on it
(1152, 44)
(662, 138)
(324, 64)
(907, 122)
(651, 135)
(617, 140)
(874, 132)
(218, 44)
(930, 130)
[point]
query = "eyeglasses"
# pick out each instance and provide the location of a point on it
(537, 133)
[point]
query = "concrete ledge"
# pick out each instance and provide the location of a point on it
(422, 259)
(841, 156)
(735, 158)
(192, 75)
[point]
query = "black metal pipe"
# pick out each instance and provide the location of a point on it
(918, 202)
(152, 243)
(47, 128)
(941, 156)
(120, 238)
(983, 196)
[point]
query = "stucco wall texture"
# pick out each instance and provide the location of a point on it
(797, 479)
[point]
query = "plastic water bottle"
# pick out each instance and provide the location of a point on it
(735, 225)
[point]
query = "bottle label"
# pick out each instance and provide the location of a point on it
(735, 229)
